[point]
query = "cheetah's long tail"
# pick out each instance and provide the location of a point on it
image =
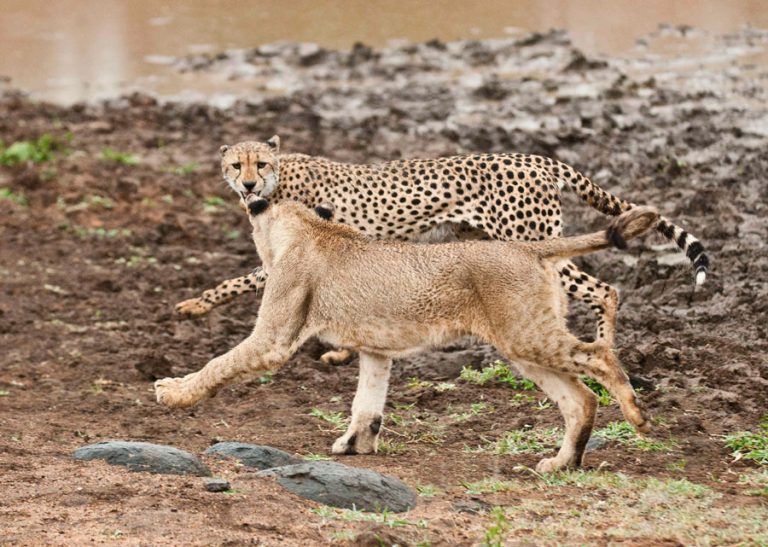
(629, 224)
(609, 204)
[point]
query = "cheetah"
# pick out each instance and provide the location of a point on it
(481, 196)
(388, 299)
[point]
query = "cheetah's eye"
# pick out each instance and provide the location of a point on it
(236, 166)
(261, 164)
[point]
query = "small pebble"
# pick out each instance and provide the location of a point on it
(216, 485)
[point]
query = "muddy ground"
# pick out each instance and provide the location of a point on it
(96, 251)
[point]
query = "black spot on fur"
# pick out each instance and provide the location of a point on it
(667, 229)
(324, 212)
(376, 425)
(351, 445)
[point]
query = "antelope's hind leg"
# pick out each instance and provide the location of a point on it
(578, 406)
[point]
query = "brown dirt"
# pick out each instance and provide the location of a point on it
(86, 318)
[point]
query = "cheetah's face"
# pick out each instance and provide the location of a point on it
(251, 167)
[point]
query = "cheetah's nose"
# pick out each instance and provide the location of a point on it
(249, 186)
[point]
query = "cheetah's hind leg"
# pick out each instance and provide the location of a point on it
(223, 292)
(602, 298)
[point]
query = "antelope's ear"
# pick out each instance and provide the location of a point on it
(223, 149)
(325, 211)
(274, 143)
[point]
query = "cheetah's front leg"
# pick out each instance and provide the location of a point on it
(367, 407)
(223, 292)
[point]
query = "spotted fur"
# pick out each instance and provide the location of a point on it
(480, 196)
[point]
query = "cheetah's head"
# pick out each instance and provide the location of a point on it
(251, 167)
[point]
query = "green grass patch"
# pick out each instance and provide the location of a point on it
(185, 170)
(336, 419)
(475, 409)
(390, 447)
(6, 194)
(600, 507)
(37, 151)
(522, 441)
(386, 518)
(312, 457)
(756, 482)
(429, 490)
(125, 158)
(625, 434)
(750, 445)
(497, 372)
(497, 531)
(603, 396)
(212, 204)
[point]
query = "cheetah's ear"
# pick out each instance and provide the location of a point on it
(274, 143)
(325, 211)
(223, 149)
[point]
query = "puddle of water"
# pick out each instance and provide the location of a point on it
(70, 50)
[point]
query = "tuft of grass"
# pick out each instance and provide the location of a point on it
(356, 515)
(429, 490)
(185, 170)
(312, 457)
(498, 372)
(603, 396)
(6, 194)
(497, 531)
(390, 447)
(522, 441)
(475, 409)
(624, 434)
(211, 204)
(125, 158)
(606, 507)
(757, 481)
(750, 445)
(336, 419)
(37, 151)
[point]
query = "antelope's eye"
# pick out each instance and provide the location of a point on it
(236, 166)
(261, 164)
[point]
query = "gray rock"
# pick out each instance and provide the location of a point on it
(596, 442)
(474, 506)
(339, 485)
(216, 485)
(252, 455)
(138, 456)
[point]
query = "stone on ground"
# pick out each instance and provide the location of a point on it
(339, 485)
(139, 456)
(252, 455)
(216, 485)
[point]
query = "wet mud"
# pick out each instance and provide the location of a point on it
(95, 252)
